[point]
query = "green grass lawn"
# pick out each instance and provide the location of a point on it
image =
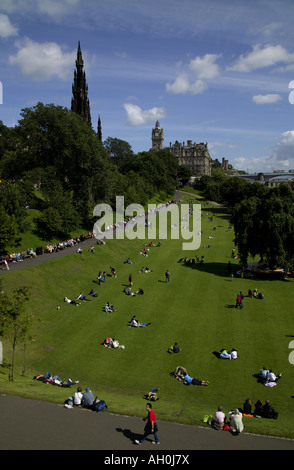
(195, 309)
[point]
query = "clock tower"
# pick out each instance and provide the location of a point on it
(157, 137)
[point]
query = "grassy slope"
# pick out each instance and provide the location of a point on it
(193, 309)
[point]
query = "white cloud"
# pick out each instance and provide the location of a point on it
(262, 57)
(42, 61)
(192, 78)
(56, 8)
(6, 28)
(205, 67)
(182, 85)
(284, 150)
(138, 117)
(266, 99)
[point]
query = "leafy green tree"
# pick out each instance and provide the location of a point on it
(15, 320)
(8, 230)
(57, 138)
(50, 224)
(264, 226)
(119, 151)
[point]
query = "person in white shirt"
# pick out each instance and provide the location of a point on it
(272, 377)
(236, 423)
(78, 397)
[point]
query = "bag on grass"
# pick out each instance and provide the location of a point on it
(98, 405)
(206, 418)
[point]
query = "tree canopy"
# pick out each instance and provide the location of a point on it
(53, 149)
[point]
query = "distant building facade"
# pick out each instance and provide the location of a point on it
(192, 155)
(224, 164)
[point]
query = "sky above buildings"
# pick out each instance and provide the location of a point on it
(215, 71)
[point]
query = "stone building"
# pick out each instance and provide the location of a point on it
(195, 156)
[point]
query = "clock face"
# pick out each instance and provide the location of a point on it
(156, 134)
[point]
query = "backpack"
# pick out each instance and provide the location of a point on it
(99, 405)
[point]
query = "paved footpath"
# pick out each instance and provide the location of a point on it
(27, 424)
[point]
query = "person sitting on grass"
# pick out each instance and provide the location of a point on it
(116, 345)
(174, 349)
(179, 373)
(129, 291)
(134, 322)
(236, 422)
(152, 395)
(93, 293)
(140, 291)
(219, 419)
(268, 411)
(87, 398)
(109, 308)
(272, 377)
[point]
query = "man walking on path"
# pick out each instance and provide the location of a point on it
(150, 427)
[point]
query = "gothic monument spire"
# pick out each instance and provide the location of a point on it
(80, 103)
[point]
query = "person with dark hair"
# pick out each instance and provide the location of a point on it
(150, 427)
(174, 349)
(258, 409)
(268, 411)
(247, 407)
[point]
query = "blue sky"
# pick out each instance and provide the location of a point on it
(215, 71)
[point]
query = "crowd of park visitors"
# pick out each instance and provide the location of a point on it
(233, 421)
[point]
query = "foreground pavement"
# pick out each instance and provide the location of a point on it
(27, 424)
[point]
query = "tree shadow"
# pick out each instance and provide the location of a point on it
(225, 270)
(216, 268)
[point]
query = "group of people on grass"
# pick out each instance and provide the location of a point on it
(267, 377)
(234, 421)
(86, 400)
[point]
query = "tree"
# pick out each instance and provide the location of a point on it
(119, 150)
(57, 138)
(8, 230)
(264, 226)
(15, 321)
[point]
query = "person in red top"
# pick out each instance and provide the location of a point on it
(150, 427)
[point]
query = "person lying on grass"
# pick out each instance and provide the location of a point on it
(67, 300)
(181, 374)
(225, 354)
(83, 297)
(112, 343)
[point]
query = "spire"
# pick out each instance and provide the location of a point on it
(80, 103)
(99, 129)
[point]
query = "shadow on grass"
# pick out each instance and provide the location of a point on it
(218, 269)
(223, 270)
